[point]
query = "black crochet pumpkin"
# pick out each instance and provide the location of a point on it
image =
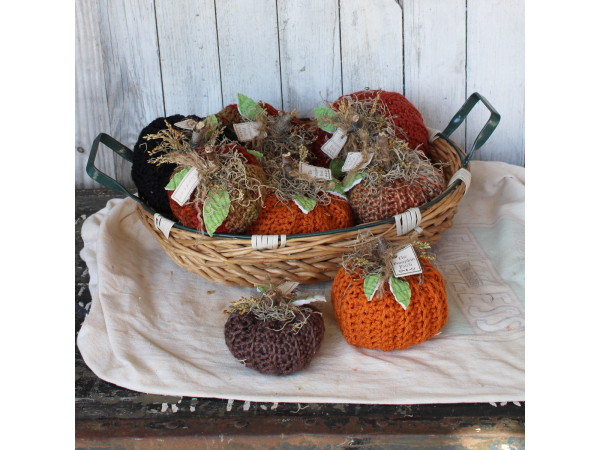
(149, 178)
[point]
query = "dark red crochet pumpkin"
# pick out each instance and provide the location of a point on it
(241, 215)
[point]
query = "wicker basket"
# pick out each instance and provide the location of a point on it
(305, 258)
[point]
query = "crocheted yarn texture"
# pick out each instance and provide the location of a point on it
(370, 205)
(260, 347)
(286, 218)
(240, 216)
(383, 323)
(149, 178)
(408, 119)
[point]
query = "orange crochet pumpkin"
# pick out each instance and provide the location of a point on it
(240, 215)
(286, 218)
(383, 323)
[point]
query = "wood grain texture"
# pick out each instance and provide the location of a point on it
(91, 108)
(495, 69)
(131, 71)
(248, 50)
(434, 60)
(189, 54)
(371, 44)
(310, 53)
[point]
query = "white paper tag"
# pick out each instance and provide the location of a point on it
(287, 287)
(354, 159)
(334, 145)
(182, 194)
(163, 224)
(247, 131)
(315, 172)
(406, 262)
(187, 124)
(304, 301)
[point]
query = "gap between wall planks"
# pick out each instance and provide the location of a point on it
(139, 59)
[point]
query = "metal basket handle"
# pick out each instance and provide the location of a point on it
(101, 177)
(460, 117)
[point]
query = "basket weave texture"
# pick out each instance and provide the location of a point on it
(307, 260)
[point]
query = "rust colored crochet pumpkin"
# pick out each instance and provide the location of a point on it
(272, 348)
(408, 118)
(371, 205)
(383, 323)
(240, 215)
(286, 218)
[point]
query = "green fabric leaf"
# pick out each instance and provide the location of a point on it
(209, 123)
(216, 209)
(350, 182)
(174, 182)
(305, 204)
(338, 190)
(255, 153)
(248, 107)
(325, 112)
(262, 288)
(336, 167)
(370, 285)
(401, 291)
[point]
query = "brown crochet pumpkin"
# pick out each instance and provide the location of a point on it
(286, 218)
(371, 205)
(267, 347)
(240, 216)
(383, 323)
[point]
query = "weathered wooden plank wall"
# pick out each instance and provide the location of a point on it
(141, 59)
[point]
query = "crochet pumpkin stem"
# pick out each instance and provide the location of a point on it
(384, 151)
(196, 135)
(211, 156)
(283, 124)
(381, 246)
(286, 160)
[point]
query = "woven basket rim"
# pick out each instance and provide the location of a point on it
(465, 163)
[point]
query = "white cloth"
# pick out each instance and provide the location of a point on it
(156, 328)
